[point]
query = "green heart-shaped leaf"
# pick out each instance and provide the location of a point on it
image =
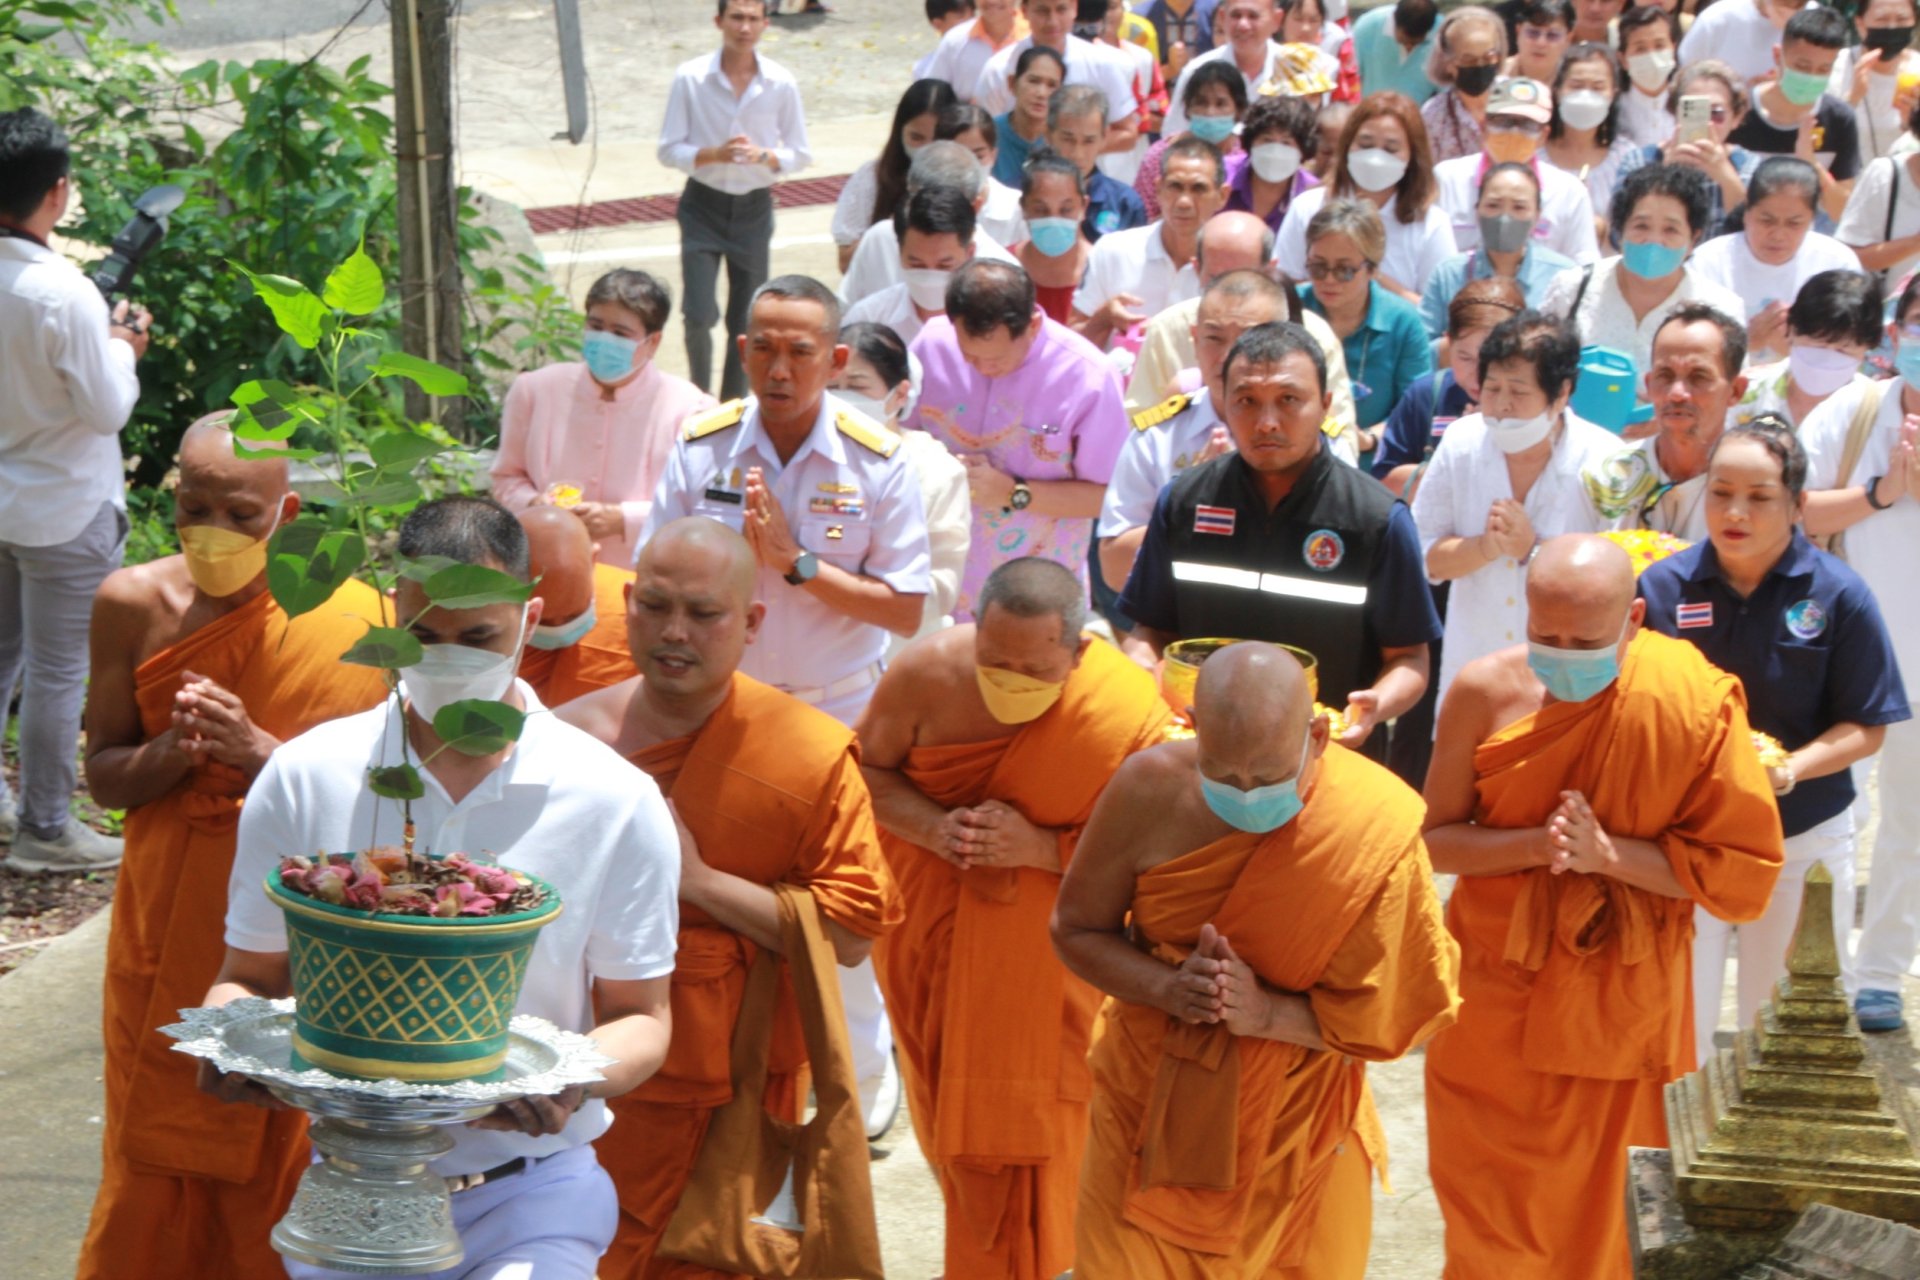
(471, 586)
(396, 782)
(425, 374)
(388, 648)
(355, 286)
(401, 448)
(475, 727)
(298, 313)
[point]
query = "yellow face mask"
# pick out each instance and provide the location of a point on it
(221, 561)
(1012, 698)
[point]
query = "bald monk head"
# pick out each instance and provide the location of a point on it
(1255, 727)
(1027, 637)
(560, 553)
(226, 506)
(690, 609)
(1580, 601)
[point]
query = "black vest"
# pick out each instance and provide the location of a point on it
(1297, 576)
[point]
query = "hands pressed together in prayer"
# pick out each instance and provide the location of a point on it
(1509, 531)
(994, 834)
(1902, 477)
(1577, 841)
(211, 723)
(1214, 985)
(766, 528)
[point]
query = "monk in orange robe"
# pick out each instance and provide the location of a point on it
(770, 792)
(580, 643)
(1589, 788)
(986, 746)
(1257, 904)
(197, 676)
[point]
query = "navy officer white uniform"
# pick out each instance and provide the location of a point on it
(822, 492)
(1184, 429)
(1279, 541)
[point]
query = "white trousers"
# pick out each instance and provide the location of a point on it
(550, 1223)
(1764, 942)
(1890, 934)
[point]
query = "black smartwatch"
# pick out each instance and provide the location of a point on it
(804, 568)
(1022, 497)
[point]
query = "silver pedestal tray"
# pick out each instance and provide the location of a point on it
(372, 1207)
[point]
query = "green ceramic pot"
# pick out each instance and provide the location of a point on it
(405, 997)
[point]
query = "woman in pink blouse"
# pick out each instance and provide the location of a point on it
(593, 435)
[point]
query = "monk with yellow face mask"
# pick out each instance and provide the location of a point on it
(197, 677)
(985, 747)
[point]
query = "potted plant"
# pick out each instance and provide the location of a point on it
(403, 966)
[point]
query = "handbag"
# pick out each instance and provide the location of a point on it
(747, 1152)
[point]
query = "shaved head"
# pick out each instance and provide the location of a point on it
(560, 554)
(691, 613)
(219, 489)
(1234, 240)
(208, 448)
(1252, 703)
(716, 550)
(1580, 592)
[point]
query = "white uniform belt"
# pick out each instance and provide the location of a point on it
(865, 676)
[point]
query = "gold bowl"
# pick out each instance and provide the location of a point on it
(1180, 668)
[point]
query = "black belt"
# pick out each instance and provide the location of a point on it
(468, 1181)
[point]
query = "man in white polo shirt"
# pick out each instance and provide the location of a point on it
(1250, 28)
(67, 386)
(556, 804)
(966, 48)
(1050, 24)
(1134, 275)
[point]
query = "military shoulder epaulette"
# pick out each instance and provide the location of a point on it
(1331, 428)
(716, 419)
(1171, 407)
(863, 430)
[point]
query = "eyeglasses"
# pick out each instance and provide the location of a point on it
(1508, 124)
(1550, 35)
(1343, 272)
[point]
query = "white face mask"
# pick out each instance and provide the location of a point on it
(1374, 170)
(1651, 71)
(1276, 161)
(1517, 435)
(450, 673)
(1584, 109)
(927, 288)
(875, 409)
(1820, 371)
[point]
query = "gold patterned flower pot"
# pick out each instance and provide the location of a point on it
(1180, 668)
(405, 997)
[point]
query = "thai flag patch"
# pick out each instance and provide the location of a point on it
(1218, 520)
(1694, 615)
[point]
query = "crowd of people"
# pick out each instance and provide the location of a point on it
(1350, 338)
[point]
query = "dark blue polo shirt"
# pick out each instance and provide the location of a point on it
(1111, 206)
(1416, 424)
(1808, 644)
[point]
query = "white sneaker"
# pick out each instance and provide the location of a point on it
(880, 1100)
(79, 848)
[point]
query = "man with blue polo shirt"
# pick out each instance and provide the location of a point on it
(1279, 541)
(1804, 633)
(1391, 45)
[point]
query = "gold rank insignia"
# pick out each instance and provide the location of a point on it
(864, 431)
(1331, 428)
(717, 419)
(835, 533)
(1168, 409)
(834, 486)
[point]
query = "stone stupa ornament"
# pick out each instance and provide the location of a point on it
(1794, 1114)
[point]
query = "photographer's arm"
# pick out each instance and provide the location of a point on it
(94, 353)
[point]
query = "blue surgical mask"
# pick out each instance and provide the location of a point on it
(1262, 809)
(1214, 129)
(1054, 237)
(1906, 359)
(1651, 260)
(609, 356)
(1575, 675)
(564, 635)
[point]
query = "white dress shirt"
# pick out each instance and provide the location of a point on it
(562, 806)
(853, 210)
(1467, 474)
(1107, 70)
(1605, 320)
(1176, 121)
(66, 389)
(854, 508)
(1135, 261)
(702, 111)
(875, 264)
(1151, 457)
(943, 492)
(892, 307)
(1413, 249)
(1566, 209)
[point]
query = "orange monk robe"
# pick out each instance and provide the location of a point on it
(992, 1030)
(772, 791)
(192, 1186)
(1577, 988)
(599, 661)
(1219, 1157)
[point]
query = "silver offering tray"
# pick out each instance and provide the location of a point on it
(372, 1207)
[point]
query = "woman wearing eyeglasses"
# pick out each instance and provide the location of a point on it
(1726, 167)
(1380, 333)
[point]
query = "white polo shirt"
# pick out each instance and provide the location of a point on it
(853, 506)
(1107, 70)
(1135, 261)
(1413, 249)
(892, 307)
(959, 58)
(1152, 456)
(562, 807)
(1566, 210)
(66, 390)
